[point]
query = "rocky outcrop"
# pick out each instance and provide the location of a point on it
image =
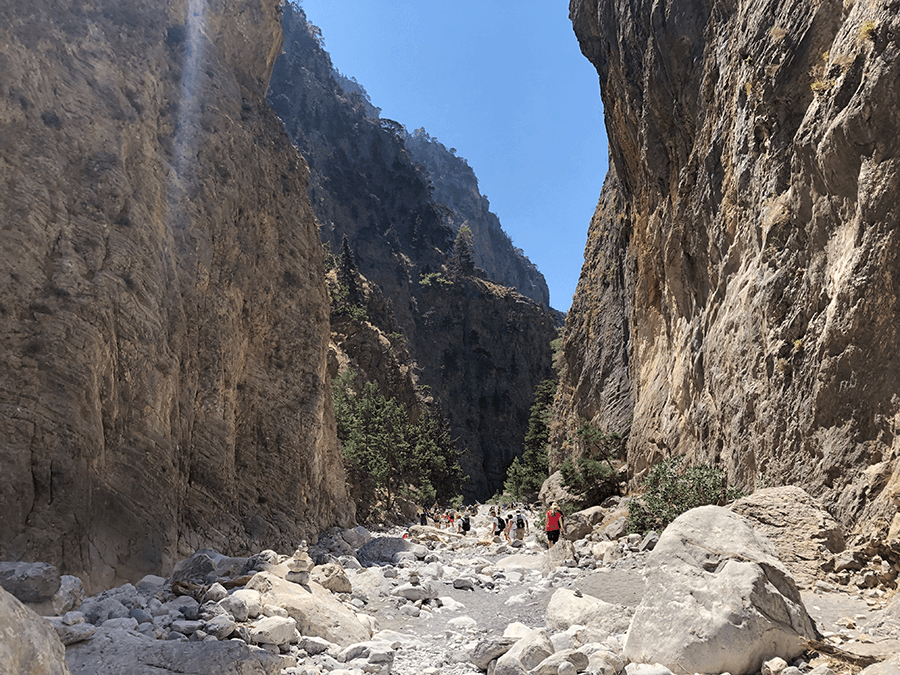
(754, 153)
(164, 316)
(480, 347)
(456, 190)
(805, 536)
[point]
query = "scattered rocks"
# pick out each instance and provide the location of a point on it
(112, 652)
(281, 626)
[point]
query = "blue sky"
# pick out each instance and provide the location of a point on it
(506, 85)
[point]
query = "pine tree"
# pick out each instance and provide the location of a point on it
(462, 261)
(347, 273)
(388, 453)
(527, 473)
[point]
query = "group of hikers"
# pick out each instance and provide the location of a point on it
(514, 526)
(448, 519)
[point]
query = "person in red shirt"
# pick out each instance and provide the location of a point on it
(554, 524)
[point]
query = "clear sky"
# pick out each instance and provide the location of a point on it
(505, 84)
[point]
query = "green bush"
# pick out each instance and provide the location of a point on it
(593, 477)
(590, 479)
(671, 488)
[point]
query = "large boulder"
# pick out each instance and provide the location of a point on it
(525, 654)
(383, 549)
(581, 523)
(30, 582)
(332, 577)
(567, 608)
(356, 536)
(553, 490)
(805, 536)
(561, 554)
(717, 599)
(67, 598)
(317, 612)
(117, 651)
(28, 643)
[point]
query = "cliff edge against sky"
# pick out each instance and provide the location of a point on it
(164, 315)
(741, 289)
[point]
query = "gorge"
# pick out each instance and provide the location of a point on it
(167, 338)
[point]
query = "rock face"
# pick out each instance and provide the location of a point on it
(481, 347)
(805, 536)
(717, 599)
(164, 315)
(456, 189)
(741, 283)
(28, 644)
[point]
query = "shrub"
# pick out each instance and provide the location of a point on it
(527, 473)
(671, 489)
(867, 31)
(593, 477)
(590, 479)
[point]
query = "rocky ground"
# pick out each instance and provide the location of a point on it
(423, 601)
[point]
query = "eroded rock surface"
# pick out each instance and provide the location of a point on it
(163, 316)
(717, 599)
(740, 286)
(28, 644)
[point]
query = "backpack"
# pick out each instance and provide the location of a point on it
(520, 523)
(465, 524)
(501, 524)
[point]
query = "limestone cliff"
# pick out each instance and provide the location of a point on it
(755, 152)
(480, 347)
(164, 315)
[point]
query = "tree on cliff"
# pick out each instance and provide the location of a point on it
(391, 454)
(347, 272)
(525, 475)
(593, 476)
(462, 261)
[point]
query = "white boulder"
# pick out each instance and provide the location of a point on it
(717, 599)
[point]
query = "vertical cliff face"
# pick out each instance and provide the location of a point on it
(164, 315)
(481, 348)
(755, 147)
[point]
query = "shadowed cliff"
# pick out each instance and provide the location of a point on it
(479, 346)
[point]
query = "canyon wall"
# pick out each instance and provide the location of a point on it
(479, 346)
(164, 315)
(750, 314)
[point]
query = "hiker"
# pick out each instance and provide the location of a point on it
(510, 531)
(497, 523)
(521, 525)
(554, 524)
(465, 524)
(423, 517)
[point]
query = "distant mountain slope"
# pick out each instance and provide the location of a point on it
(481, 347)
